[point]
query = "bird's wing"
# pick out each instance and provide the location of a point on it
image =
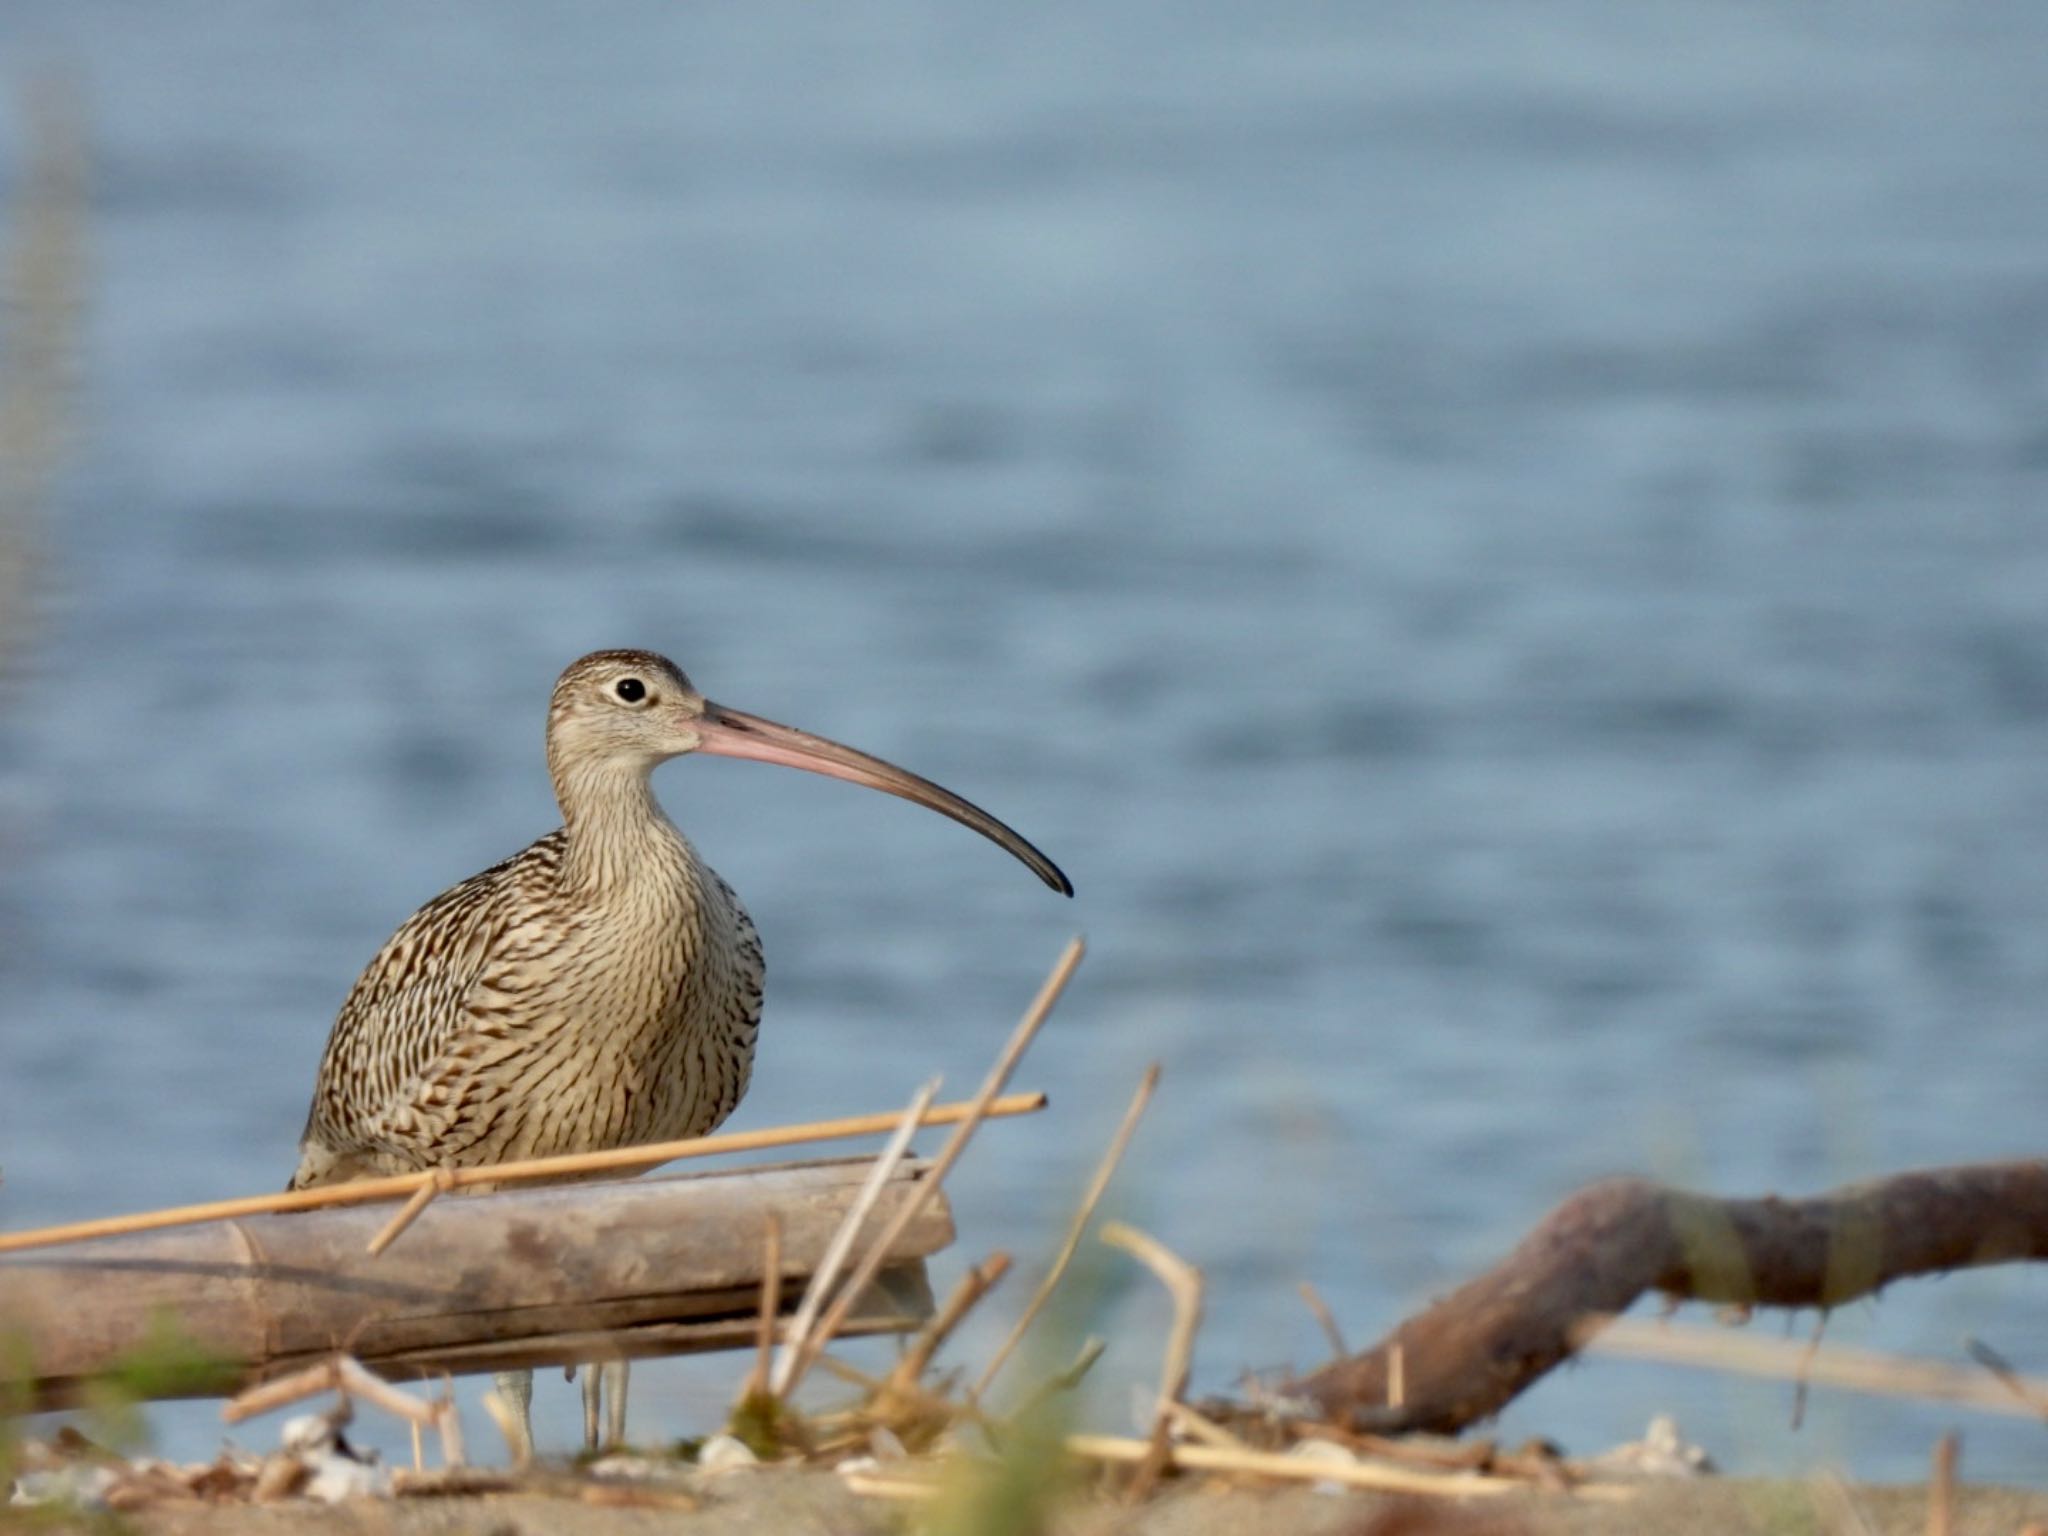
(423, 1016)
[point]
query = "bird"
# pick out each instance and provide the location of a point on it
(601, 988)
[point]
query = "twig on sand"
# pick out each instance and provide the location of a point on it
(347, 1375)
(1097, 1184)
(1184, 1283)
(1534, 1466)
(907, 1490)
(299, 1385)
(1209, 1458)
(1240, 1461)
(878, 1251)
(338, 1373)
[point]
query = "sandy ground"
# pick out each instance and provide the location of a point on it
(803, 1503)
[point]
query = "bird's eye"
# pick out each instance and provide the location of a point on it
(631, 689)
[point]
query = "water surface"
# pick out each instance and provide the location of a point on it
(1503, 549)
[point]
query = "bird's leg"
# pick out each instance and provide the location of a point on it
(602, 1382)
(605, 1385)
(516, 1388)
(616, 1372)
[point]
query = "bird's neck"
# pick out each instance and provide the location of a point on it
(617, 831)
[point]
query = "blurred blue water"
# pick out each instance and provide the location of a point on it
(1502, 547)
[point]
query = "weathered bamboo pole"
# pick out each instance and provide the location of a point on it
(570, 1165)
(495, 1281)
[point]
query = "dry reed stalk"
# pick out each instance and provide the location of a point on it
(310, 1381)
(2010, 1379)
(852, 1375)
(1846, 1369)
(1183, 1283)
(1208, 1431)
(442, 1180)
(873, 1386)
(1062, 1380)
(878, 1251)
(780, 1382)
(1325, 1319)
(348, 1376)
(1941, 1487)
(1803, 1380)
(771, 1307)
(1083, 1214)
(449, 1422)
(975, 1284)
(1834, 1503)
(911, 1408)
(575, 1164)
(352, 1378)
(1209, 1458)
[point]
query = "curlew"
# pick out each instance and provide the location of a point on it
(600, 989)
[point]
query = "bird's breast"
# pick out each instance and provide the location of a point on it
(642, 1022)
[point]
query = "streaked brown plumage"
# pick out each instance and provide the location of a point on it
(600, 989)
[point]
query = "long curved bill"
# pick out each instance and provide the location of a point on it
(730, 733)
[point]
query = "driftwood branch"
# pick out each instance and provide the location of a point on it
(1465, 1356)
(490, 1282)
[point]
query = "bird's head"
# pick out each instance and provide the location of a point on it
(619, 713)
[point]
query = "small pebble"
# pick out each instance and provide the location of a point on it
(1662, 1452)
(721, 1453)
(309, 1433)
(83, 1485)
(336, 1478)
(622, 1467)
